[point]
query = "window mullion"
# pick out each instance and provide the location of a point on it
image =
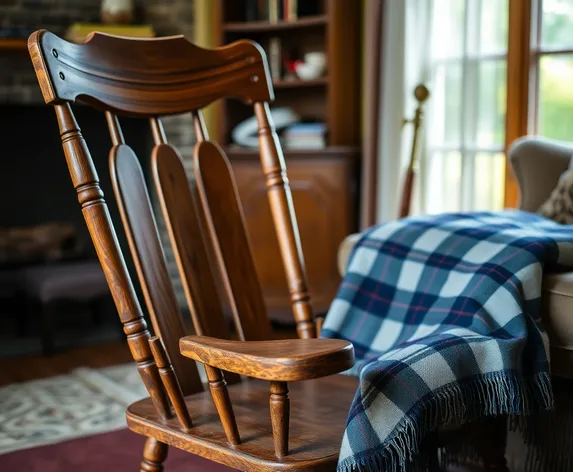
(467, 107)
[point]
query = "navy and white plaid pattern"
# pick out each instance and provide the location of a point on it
(444, 315)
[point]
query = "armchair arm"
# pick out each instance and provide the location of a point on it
(538, 163)
(284, 360)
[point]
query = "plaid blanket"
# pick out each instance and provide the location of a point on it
(444, 315)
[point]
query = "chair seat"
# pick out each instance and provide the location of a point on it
(318, 413)
(557, 311)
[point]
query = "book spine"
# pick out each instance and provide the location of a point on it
(263, 10)
(252, 10)
(273, 8)
(292, 9)
(275, 58)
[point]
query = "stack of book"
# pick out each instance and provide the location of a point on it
(305, 136)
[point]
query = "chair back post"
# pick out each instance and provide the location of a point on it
(96, 215)
(282, 210)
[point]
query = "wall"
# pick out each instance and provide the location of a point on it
(19, 86)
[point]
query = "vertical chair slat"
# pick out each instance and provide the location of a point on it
(226, 224)
(182, 221)
(143, 238)
(223, 404)
(114, 128)
(157, 130)
(201, 133)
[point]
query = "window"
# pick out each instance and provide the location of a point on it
(464, 160)
(540, 62)
(552, 55)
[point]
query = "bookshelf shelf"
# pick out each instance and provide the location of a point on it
(13, 44)
(265, 26)
(238, 152)
(296, 83)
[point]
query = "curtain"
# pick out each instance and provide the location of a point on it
(405, 51)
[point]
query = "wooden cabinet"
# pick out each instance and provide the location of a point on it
(323, 181)
(322, 189)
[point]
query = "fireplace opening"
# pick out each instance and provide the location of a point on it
(42, 232)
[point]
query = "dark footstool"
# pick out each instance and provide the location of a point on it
(78, 281)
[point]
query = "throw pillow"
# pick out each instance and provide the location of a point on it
(559, 205)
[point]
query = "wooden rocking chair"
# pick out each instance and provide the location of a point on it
(236, 425)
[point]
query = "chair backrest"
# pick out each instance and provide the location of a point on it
(150, 78)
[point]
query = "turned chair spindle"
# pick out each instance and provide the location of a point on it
(280, 414)
(94, 208)
(280, 199)
(223, 404)
(170, 382)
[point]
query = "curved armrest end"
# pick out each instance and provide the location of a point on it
(283, 360)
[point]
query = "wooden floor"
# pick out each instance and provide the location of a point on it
(21, 369)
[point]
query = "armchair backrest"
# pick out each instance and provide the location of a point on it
(537, 164)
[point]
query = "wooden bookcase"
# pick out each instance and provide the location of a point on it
(323, 181)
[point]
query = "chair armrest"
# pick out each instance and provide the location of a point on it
(538, 163)
(283, 360)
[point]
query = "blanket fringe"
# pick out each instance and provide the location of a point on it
(492, 394)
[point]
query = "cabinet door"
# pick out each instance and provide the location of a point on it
(322, 190)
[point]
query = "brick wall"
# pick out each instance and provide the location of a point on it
(18, 84)
(17, 80)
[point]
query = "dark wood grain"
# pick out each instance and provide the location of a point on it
(31, 367)
(317, 420)
(325, 215)
(141, 230)
(225, 222)
(170, 382)
(12, 45)
(223, 404)
(265, 26)
(150, 78)
(154, 454)
(373, 54)
(280, 416)
(147, 76)
(189, 246)
(281, 360)
(282, 209)
(343, 45)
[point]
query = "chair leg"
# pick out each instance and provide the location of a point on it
(154, 453)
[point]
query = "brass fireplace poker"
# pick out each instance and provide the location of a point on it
(421, 93)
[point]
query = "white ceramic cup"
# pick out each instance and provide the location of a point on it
(317, 59)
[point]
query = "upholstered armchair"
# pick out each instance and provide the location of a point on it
(538, 164)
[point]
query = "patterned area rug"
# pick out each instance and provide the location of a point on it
(82, 403)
